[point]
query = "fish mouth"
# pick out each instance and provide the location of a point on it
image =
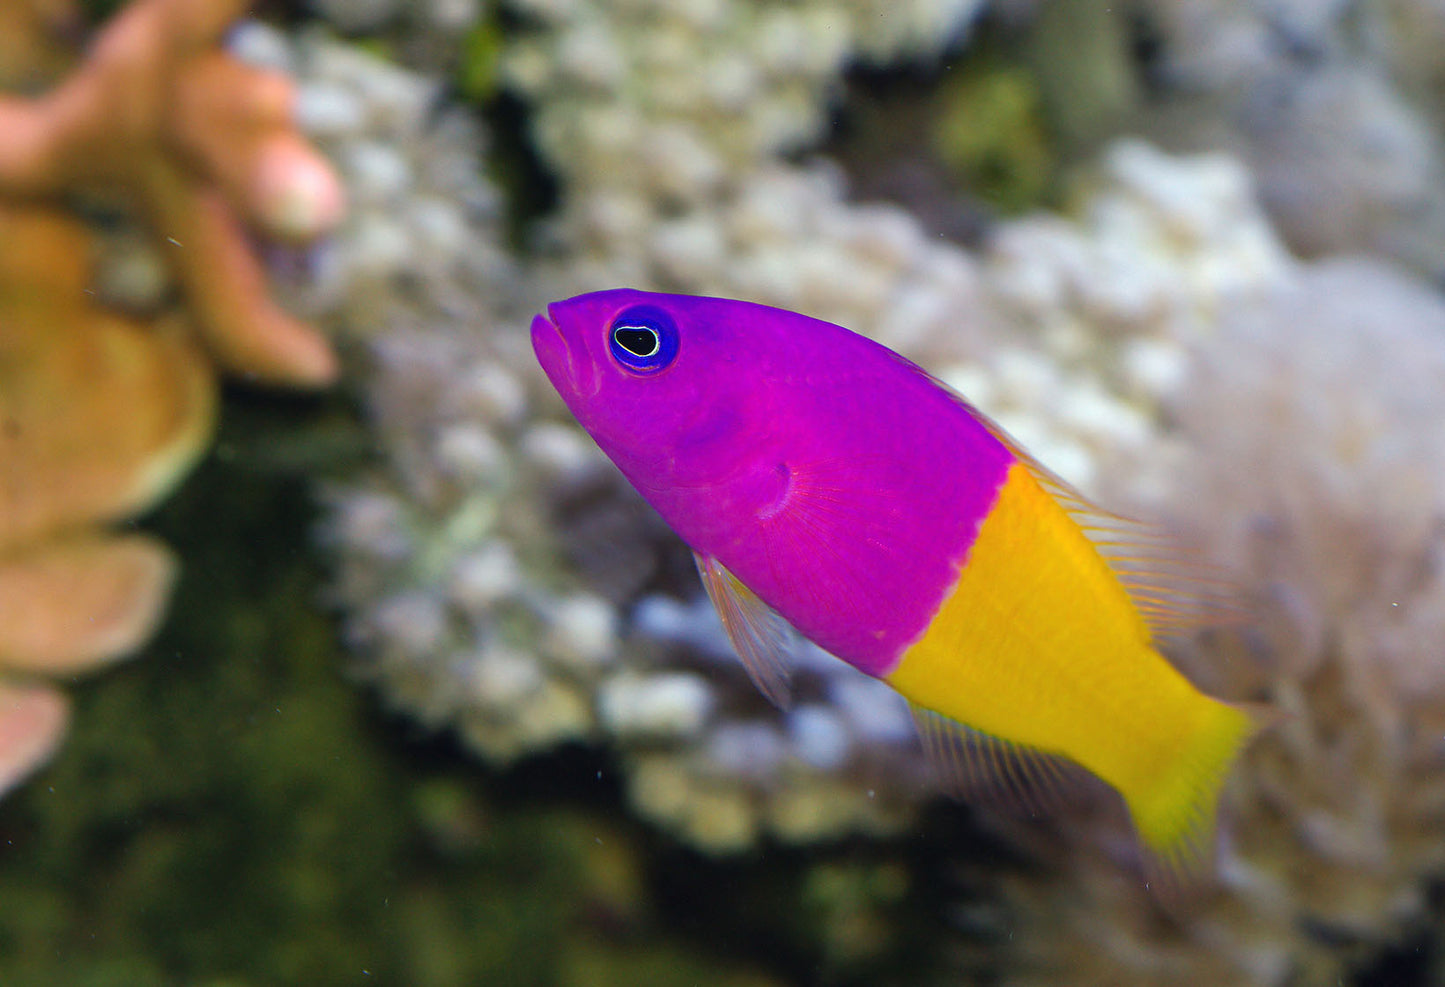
(572, 376)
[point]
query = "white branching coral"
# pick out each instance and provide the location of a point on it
(487, 565)
(1334, 106)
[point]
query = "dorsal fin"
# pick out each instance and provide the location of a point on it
(1172, 591)
(763, 639)
(977, 766)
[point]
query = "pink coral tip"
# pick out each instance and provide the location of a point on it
(33, 719)
(298, 195)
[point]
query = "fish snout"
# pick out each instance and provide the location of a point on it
(570, 373)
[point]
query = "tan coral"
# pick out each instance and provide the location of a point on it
(203, 145)
(32, 40)
(68, 605)
(101, 414)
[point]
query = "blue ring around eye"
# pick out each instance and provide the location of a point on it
(643, 339)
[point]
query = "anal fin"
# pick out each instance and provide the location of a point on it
(979, 767)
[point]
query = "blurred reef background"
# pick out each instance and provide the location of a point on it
(437, 700)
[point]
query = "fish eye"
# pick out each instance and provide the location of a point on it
(643, 339)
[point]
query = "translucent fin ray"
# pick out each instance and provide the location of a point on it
(981, 767)
(1172, 591)
(763, 639)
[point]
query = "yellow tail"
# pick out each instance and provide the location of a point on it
(1176, 817)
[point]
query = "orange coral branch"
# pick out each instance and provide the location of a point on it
(100, 414)
(199, 141)
(32, 36)
(69, 605)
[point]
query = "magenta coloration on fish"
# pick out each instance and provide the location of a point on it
(830, 476)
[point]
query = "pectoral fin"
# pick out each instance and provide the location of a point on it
(763, 640)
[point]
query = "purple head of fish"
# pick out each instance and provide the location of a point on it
(687, 424)
(821, 469)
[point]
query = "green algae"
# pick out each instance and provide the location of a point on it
(1080, 56)
(990, 130)
(478, 69)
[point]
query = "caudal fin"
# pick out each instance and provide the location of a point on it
(1176, 817)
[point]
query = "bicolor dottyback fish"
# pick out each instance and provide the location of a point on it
(826, 484)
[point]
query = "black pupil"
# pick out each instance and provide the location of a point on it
(638, 342)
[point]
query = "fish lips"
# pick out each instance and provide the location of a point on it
(564, 360)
